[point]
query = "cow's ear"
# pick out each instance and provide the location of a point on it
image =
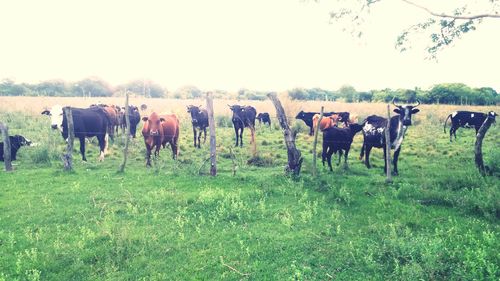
(397, 110)
(46, 112)
(162, 119)
(144, 118)
(415, 110)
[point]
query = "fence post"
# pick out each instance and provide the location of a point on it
(211, 125)
(127, 134)
(388, 146)
(67, 157)
(478, 147)
(294, 156)
(316, 133)
(6, 147)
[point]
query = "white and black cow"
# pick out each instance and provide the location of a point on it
(374, 133)
(15, 143)
(199, 119)
(87, 122)
(243, 116)
(466, 119)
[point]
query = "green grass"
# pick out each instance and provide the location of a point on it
(437, 221)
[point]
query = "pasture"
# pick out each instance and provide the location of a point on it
(439, 220)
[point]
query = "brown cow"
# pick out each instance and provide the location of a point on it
(153, 135)
(170, 125)
(326, 122)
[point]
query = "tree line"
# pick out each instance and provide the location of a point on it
(452, 93)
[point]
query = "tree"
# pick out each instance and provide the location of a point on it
(92, 86)
(441, 28)
(348, 93)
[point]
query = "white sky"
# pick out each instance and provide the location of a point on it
(231, 44)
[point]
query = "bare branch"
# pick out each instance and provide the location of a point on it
(458, 17)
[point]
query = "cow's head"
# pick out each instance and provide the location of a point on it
(152, 124)
(195, 111)
(56, 114)
(237, 109)
(20, 140)
(301, 115)
(405, 112)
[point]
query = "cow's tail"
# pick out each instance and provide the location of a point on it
(445, 121)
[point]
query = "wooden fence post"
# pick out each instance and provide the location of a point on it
(6, 147)
(213, 144)
(478, 147)
(316, 133)
(388, 146)
(67, 157)
(294, 156)
(127, 134)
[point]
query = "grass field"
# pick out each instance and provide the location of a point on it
(439, 220)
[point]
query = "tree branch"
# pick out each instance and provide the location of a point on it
(443, 15)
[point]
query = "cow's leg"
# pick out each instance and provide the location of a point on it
(148, 156)
(236, 129)
(82, 148)
(329, 158)
(323, 153)
(311, 131)
(194, 136)
(103, 144)
(199, 138)
(368, 148)
(345, 158)
(204, 134)
(385, 157)
(340, 157)
(395, 161)
(241, 136)
(362, 151)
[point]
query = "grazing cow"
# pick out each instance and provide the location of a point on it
(157, 131)
(134, 118)
(374, 136)
(338, 139)
(87, 122)
(199, 119)
(243, 116)
(326, 122)
(308, 116)
(264, 118)
(466, 119)
(15, 143)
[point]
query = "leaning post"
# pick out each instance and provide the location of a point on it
(388, 146)
(67, 157)
(211, 125)
(316, 133)
(6, 147)
(478, 147)
(294, 156)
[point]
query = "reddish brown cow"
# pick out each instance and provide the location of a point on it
(170, 125)
(153, 135)
(326, 122)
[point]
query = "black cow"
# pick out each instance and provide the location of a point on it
(243, 116)
(374, 133)
(338, 139)
(87, 122)
(134, 118)
(264, 118)
(307, 117)
(466, 119)
(199, 119)
(15, 143)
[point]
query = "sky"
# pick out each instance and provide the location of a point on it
(266, 45)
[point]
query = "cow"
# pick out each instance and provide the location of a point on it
(326, 122)
(16, 142)
(144, 107)
(87, 122)
(264, 118)
(113, 113)
(157, 131)
(243, 116)
(337, 139)
(307, 118)
(374, 132)
(466, 119)
(134, 118)
(199, 119)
